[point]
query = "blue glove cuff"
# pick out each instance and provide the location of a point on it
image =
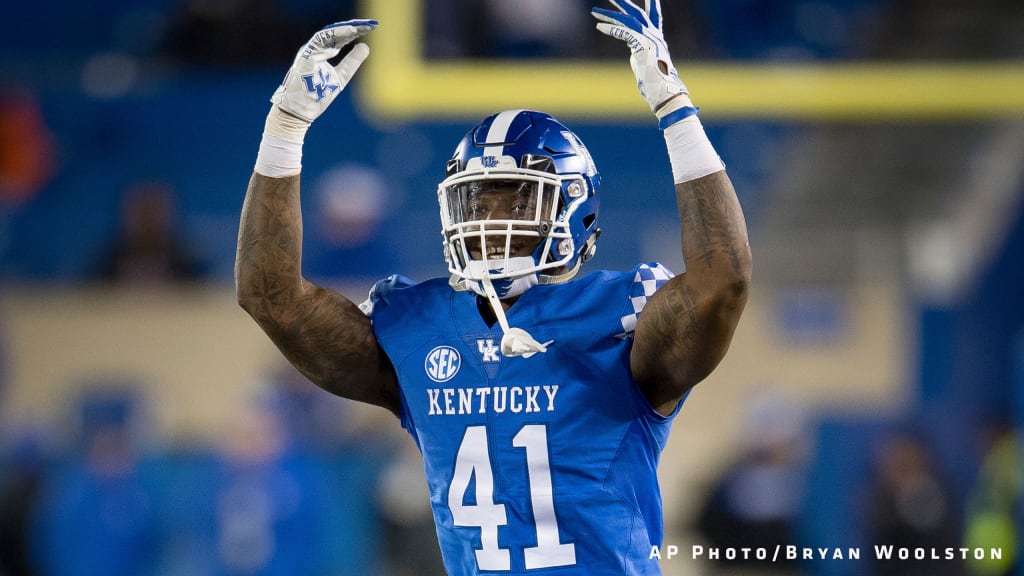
(677, 115)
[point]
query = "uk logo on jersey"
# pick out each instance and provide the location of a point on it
(321, 84)
(442, 363)
(488, 351)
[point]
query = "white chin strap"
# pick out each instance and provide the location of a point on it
(514, 341)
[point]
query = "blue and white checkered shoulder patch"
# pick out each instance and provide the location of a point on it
(648, 278)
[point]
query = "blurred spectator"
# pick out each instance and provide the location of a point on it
(756, 501)
(27, 151)
(339, 439)
(293, 495)
(311, 421)
(314, 421)
(149, 249)
(995, 507)
(534, 28)
(231, 33)
(265, 514)
(409, 536)
(538, 29)
(219, 33)
(787, 30)
(910, 507)
(4, 362)
(352, 204)
(95, 515)
(958, 30)
(21, 474)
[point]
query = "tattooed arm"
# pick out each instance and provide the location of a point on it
(321, 332)
(686, 327)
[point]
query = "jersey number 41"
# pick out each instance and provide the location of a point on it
(474, 460)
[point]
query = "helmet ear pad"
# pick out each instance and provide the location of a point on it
(534, 147)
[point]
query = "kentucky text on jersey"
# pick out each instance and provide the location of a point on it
(494, 399)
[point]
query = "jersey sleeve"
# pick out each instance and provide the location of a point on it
(381, 290)
(647, 278)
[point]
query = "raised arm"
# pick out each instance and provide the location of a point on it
(686, 327)
(321, 332)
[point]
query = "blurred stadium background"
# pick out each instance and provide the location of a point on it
(874, 393)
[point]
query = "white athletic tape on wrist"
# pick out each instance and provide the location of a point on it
(278, 157)
(690, 153)
(284, 125)
(281, 148)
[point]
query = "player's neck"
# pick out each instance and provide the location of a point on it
(487, 313)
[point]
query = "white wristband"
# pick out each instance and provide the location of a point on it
(278, 157)
(690, 153)
(280, 151)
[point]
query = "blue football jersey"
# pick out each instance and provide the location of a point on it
(546, 462)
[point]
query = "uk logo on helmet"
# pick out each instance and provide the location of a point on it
(442, 363)
(489, 161)
(322, 85)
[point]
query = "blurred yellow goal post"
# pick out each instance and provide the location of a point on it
(399, 84)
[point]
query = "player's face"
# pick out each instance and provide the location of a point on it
(501, 201)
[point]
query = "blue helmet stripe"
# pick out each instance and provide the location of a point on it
(498, 132)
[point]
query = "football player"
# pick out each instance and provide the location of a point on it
(540, 397)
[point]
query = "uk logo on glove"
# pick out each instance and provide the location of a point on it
(312, 83)
(321, 84)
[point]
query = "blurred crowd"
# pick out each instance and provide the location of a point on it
(900, 497)
(299, 484)
(302, 484)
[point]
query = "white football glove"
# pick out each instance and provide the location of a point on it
(312, 83)
(656, 77)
